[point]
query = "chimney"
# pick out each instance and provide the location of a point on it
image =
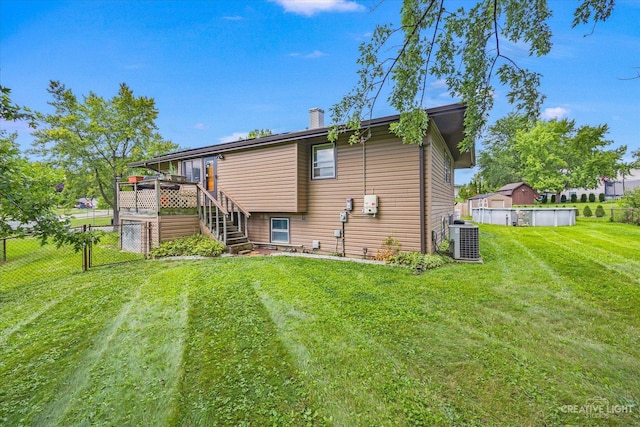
(316, 118)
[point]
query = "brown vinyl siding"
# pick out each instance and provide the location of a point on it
(262, 179)
(392, 175)
(440, 203)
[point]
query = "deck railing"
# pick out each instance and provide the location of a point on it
(153, 196)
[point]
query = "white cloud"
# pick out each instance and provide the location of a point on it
(201, 126)
(232, 18)
(311, 7)
(554, 113)
(236, 136)
(312, 55)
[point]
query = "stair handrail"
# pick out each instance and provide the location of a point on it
(212, 199)
(238, 214)
(235, 202)
(213, 223)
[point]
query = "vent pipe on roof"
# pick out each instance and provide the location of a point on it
(316, 118)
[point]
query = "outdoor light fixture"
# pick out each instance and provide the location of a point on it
(219, 157)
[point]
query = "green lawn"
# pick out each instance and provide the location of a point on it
(548, 324)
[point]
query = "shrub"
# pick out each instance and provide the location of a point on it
(544, 199)
(592, 197)
(583, 198)
(587, 211)
(187, 246)
(563, 199)
(574, 198)
(389, 248)
(416, 259)
(601, 197)
(599, 211)
(553, 198)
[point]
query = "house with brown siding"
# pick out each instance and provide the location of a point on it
(298, 190)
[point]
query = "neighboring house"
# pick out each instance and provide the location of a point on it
(295, 189)
(612, 188)
(521, 193)
(489, 200)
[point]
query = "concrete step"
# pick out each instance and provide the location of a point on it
(236, 248)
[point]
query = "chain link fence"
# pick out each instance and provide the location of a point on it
(25, 261)
(625, 215)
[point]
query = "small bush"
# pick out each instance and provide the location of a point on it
(563, 199)
(599, 211)
(416, 259)
(389, 248)
(188, 246)
(553, 198)
(587, 211)
(592, 197)
(601, 197)
(583, 198)
(574, 198)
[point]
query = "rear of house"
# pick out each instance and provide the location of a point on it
(302, 191)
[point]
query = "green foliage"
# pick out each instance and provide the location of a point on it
(556, 155)
(601, 197)
(463, 47)
(417, 260)
(574, 198)
(258, 133)
(577, 211)
(583, 198)
(475, 186)
(599, 211)
(587, 212)
(197, 245)
(553, 198)
(631, 199)
(592, 197)
(94, 140)
(499, 162)
(563, 199)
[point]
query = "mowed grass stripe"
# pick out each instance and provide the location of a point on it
(236, 370)
(37, 361)
(140, 362)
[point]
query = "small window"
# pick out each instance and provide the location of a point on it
(280, 230)
(447, 168)
(324, 161)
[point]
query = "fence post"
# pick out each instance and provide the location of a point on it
(85, 252)
(4, 250)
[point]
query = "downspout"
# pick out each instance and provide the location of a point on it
(423, 227)
(428, 197)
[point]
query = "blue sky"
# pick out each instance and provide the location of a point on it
(218, 69)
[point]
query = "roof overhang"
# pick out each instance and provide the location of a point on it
(449, 120)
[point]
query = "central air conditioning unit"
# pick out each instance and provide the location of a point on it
(464, 242)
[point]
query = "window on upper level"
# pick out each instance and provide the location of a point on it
(323, 161)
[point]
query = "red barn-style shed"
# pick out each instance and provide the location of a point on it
(520, 192)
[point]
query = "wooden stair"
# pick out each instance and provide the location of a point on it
(225, 222)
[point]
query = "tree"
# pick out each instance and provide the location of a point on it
(554, 155)
(499, 162)
(28, 193)
(94, 140)
(473, 188)
(258, 133)
(463, 47)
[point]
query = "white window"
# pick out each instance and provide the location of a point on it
(447, 168)
(280, 230)
(324, 161)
